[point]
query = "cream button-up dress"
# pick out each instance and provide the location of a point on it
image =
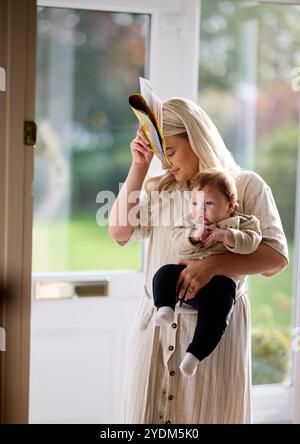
(155, 391)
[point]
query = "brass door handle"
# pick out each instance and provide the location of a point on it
(99, 288)
(64, 289)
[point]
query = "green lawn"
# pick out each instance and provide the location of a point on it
(81, 245)
(271, 297)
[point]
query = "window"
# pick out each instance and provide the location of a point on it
(88, 63)
(248, 51)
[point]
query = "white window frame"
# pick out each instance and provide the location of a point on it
(173, 42)
(174, 53)
(296, 303)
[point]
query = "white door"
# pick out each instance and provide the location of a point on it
(85, 288)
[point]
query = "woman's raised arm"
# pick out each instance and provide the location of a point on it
(120, 228)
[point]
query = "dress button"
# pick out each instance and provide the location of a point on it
(172, 373)
(171, 348)
(168, 422)
(174, 325)
(171, 397)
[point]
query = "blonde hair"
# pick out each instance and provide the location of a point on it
(219, 179)
(185, 118)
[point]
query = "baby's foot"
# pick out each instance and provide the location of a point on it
(189, 364)
(164, 315)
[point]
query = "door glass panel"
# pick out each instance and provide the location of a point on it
(88, 63)
(248, 57)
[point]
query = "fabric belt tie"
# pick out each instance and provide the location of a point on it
(183, 309)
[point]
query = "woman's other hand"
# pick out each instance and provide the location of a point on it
(195, 276)
(140, 150)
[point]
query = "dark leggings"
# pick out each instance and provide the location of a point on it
(214, 303)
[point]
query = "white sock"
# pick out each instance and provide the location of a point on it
(164, 315)
(189, 364)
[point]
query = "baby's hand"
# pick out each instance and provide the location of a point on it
(205, 234)
(200, 234)
(214, 235)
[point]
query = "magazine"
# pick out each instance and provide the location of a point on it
(148, 109)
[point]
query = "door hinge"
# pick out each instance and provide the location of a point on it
(2, 79)
(29, 132)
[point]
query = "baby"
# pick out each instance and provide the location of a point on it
(212, 227)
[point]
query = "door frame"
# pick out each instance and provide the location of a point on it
(17, 57)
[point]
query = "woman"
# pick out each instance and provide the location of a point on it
(220, 391)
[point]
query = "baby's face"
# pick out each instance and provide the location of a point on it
(214, 208)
